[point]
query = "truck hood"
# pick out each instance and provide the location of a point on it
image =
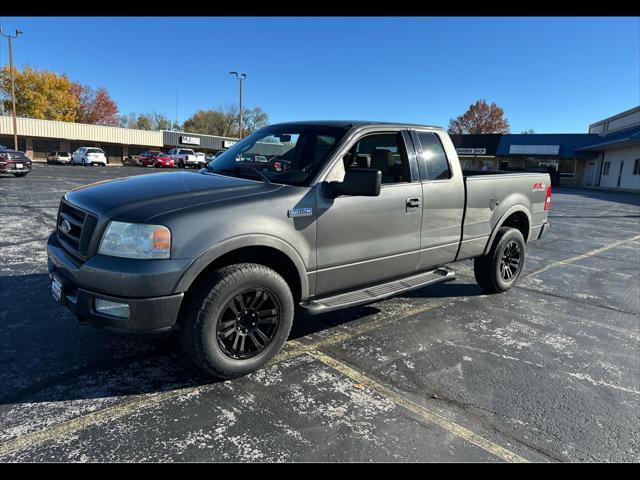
(141, 197)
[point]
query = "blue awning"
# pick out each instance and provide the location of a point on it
(617, 139)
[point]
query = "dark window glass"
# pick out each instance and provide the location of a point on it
(287, 154)
(606, 168)
(434, 156)
(383, 151)
(636, 166)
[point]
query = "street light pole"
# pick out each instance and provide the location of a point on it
(241, 77)
(13, 86)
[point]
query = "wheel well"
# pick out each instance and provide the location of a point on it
(267, 256)
(520, 221)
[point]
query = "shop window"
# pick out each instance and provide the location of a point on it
(42, 147)
(607, 166)
(568, 168)
(636, 167)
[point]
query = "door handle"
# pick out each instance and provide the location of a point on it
(413, 203)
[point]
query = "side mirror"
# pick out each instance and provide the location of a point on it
(364, 182)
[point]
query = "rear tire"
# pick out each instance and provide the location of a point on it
(219, 327)
(498, 270)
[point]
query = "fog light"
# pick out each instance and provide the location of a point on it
(113, 309)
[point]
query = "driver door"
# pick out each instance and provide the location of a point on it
(366, 240)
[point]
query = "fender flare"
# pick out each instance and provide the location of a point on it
(513, 209)
(254, 240)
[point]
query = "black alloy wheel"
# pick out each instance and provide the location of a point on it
(248, 323)
(510, 262)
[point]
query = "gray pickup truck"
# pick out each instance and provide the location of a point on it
(342, 214)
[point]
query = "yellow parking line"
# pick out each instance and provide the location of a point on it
(590, 253)
(71, 426)
(419, 410)
(294, 349)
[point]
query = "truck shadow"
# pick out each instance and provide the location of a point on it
(46, 356)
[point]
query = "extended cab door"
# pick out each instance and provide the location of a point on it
(443, 198)
(364, 240)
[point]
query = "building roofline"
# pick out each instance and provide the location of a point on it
(616, 116)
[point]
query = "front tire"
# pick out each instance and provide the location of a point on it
(238, 320)
(498, 270)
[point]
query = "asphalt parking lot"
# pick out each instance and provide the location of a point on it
(549, 371)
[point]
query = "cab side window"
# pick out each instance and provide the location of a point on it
(434, 156)
(381, 151)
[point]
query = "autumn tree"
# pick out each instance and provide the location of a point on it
(480, 118)
(212, 122)
(253, 119)
(94, 106)
(39, 94)
(224, 121)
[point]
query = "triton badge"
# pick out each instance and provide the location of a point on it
(300, 212)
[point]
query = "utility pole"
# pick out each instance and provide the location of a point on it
(13, 86)
(241, 77)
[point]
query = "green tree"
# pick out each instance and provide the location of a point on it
(39, 94)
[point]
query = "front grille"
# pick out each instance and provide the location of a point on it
(76, 240)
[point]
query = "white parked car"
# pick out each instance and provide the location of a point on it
(201, 158)
(88, 156)
(184, 157)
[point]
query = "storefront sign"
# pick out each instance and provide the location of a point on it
(534, 149)
(228, 143)
(189, 140)
(471, 151)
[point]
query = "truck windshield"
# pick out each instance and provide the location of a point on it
(290, 155)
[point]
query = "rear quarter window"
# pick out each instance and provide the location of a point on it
(434, 157)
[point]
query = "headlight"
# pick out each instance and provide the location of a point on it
(136, 240)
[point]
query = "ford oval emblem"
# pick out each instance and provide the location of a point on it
(65, 226)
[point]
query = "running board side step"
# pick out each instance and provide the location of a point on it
(378, 292)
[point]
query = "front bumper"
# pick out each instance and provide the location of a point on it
(145, 285)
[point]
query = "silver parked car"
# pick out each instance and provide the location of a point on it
(59, 157)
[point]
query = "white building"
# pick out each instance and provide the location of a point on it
(37, 137)
(617, 165)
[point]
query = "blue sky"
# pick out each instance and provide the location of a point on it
(549, 74)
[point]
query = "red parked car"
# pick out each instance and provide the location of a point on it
(156, 158)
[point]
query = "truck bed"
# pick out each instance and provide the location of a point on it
(491, 197)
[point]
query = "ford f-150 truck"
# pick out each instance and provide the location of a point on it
(225, 255)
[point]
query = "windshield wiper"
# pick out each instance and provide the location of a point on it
(237, 169)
